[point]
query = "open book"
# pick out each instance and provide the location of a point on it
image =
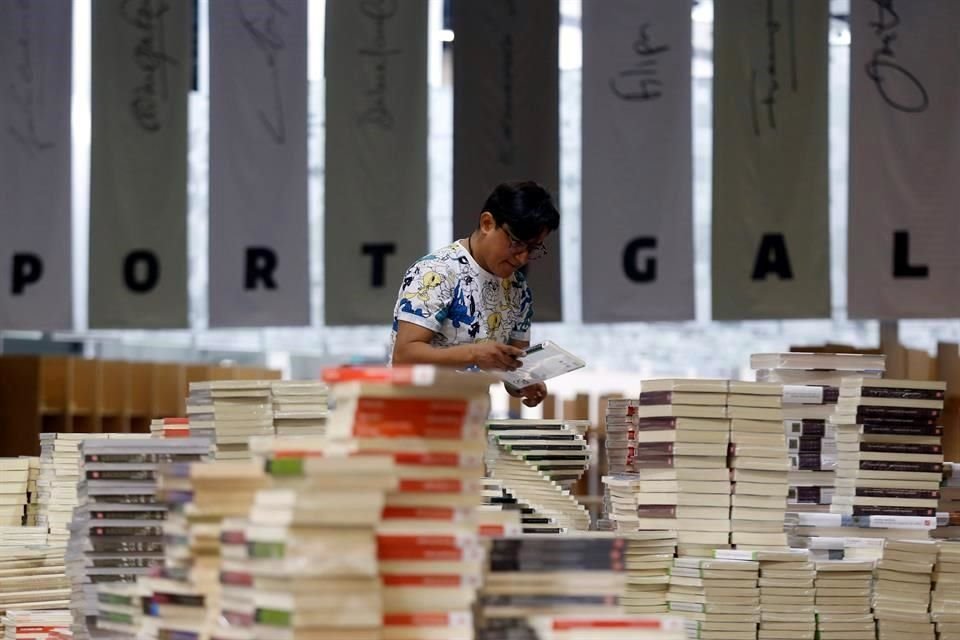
(540, 362)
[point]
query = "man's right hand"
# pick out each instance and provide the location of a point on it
(494, 355)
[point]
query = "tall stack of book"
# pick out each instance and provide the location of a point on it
(844, 594)
(719, 598)
(300, 407)
(536, 461)
(117, 530)
(621, 421)
(534, 575)
(811, 384)
(432, 422)
(945, 599)
(184, 598)
(307, 561)
(33, 625)
(678, 453)
(890, 452)
(14, 486)
(758, 457)
(566, 627)
(901, 596)
(787, 595)
(57, 483)
(234, 411)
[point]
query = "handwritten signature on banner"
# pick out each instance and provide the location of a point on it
(898, 87)
(259, 20)
(377, 56)
(23, 89)
(151, 96)
(640, 82)
(766, 100)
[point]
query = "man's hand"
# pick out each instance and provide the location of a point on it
(494, 355)
(532, 395)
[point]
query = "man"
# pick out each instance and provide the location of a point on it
(468, 304)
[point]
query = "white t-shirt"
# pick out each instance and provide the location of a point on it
(449, 293)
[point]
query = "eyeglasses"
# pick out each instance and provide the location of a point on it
(534, 250)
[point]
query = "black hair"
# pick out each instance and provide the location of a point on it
(525, 207)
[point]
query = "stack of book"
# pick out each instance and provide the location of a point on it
(948, 509)
(117, 530)
(811, 383)
(57, 483)
(621, 421)
(718, 598)
(787, 595)
(890, 455)
(14, 487)
(184, 598)
(683, 463)
(758, 457)
(233, 411)
(608, 627)
(945, 599)
(120, 608)
(649, 557)
(33, 493)
(901, 596)
(432, 422)
(300, 408)
(534, 575)
(32, 574)
(170, 428)
(33, 625)
(536, 461)
(844, 594)
(307, 561)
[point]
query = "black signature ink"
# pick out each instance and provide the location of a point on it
(640, 82)
(263, 30)
(23, 91)
(886, 73)
(378, 53)
(150, 56)
(768, 99)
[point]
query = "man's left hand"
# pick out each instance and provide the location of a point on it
(532, 395)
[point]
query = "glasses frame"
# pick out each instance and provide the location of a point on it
(534, 250)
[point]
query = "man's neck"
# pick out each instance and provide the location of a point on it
(471, 245)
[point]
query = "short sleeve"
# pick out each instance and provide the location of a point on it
(424, 297)
(521, 328)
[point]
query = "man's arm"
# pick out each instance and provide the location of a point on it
(535, 393)
(413, 346)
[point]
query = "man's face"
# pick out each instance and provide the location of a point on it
(510, 253)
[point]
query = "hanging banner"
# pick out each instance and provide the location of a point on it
(259, 227)
(904, 231)
(375, 191)
(138, 170)
(506, 118)
(637, 199)
(771, 244)
(35, 254)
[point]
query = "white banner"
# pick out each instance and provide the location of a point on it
(259, 228)
(904, 228)
(375, 193)
(142, 68)
(35, 85)
(637, 197)
(506, 118)
(770, 232)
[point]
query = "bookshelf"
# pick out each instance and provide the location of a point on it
(63, 394)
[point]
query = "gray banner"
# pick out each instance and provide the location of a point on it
(636, 232)
(506, 117)
(138, 193)
(771, 244)
(375, 208)
(35, 76)
(259, 228)
(904, 230)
